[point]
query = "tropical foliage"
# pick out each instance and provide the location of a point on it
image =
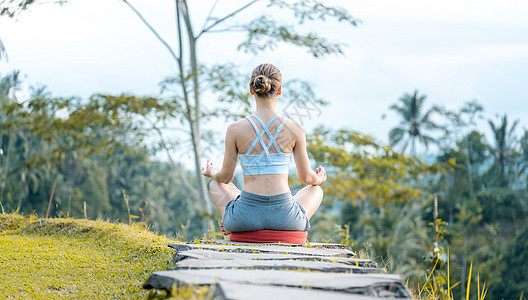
(416, 120)
(113, 156)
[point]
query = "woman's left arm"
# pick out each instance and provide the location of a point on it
(226, 174)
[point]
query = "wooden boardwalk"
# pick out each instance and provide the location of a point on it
(267, 271)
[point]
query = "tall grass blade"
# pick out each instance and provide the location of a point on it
(484, 291)
(428, 277)
(469, 280)
(478, 285)
(448, 284)
(431, 295)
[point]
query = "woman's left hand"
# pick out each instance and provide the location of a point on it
(209, 170)
(321, 174)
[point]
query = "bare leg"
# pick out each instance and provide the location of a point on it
(310, 198)
(222, 193)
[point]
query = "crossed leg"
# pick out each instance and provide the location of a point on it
(222, 193)
(310, 198)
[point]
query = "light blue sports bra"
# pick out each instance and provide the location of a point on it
(265, 162)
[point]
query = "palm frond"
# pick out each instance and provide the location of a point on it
(427, 140)
(399, 109)
(405, 144)
(510, 132)
(434, 109)
(396, 135)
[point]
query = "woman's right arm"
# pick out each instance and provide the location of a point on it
(305, 172)
(226, 174)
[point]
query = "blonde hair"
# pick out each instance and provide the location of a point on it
(266, 80)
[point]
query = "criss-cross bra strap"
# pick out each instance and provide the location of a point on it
(258, 138)
(260, 133)
(266, 128)
(277, 133)
(272, 137)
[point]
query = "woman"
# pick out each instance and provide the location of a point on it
(265, 143)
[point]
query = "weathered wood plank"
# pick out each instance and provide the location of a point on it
(266, 249)
(327, 246)
(312, 245)
(236, 291)
(211, 254)
(366, 284)
(319, 266)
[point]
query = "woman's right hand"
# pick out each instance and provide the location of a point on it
(321, 174)
(209, 170)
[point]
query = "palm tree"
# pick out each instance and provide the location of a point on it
(414, 122)
(503, 139)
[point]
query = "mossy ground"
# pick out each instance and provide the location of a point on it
(71, 258)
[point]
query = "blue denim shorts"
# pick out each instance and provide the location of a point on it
(250, 212)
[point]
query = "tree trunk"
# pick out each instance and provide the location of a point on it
(516, 180)
(469, 169)
(6, 165)
(194, 117)
(502, 167)
(451, 204)
(413, 145)
(464, 265)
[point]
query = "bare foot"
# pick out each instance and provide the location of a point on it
(225, 232)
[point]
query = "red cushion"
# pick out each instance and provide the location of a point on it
(270, 236)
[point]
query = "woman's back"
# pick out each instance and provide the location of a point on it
(248, 138)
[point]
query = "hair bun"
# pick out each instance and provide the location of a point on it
(265, 80)
(262, 84)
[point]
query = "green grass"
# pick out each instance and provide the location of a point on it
(71, 258)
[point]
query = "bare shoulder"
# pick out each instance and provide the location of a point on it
(294, 127)
(238, 127)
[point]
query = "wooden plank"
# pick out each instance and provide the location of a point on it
(236, 291)
(328, 245)
(369, 284)
(211, 254)
(312, 245)
(319, 266)
(266, 249)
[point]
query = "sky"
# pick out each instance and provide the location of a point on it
(451, 51)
